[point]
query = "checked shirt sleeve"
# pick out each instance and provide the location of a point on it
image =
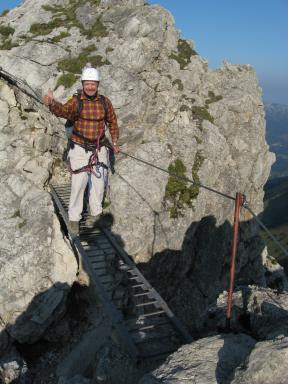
(112, 121)
(67, 110)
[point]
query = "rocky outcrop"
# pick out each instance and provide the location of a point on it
(224, 359)
(209, 360)
(175, 113)
(266, 364)
(37, 266)
(171, 108)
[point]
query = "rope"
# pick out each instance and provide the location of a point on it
(263, 226)
(179, 177)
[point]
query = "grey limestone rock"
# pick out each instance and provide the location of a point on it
(35, 261)
(266, 364)
(206, 361)
(13, 368)
(173, 111)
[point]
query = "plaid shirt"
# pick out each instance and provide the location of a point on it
(90, 123)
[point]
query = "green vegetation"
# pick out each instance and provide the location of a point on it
(22, 224)
(59, 37)
(177, 190)
(4, 13)
(69, 20)
(183, 56)
(75, 64)
(200, 114)
(179, 84)
(98, 30)
(212, 98)
(7, 44)
(67, 80)
(109, 49)
(44, 29)
(6, 31)
(198, 161)
(106, 204)
(53, 8)
(198, 140)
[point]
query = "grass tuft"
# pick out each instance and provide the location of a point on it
(183, 56)
(200, 114)
(177, 190)
(6, 31)
(4, 13)
(59, 37)
(76, 64)
(67, 80)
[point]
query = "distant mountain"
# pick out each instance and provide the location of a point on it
(277, 137)
(275, 217)
(276, 202)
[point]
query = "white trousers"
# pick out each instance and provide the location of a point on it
(79, 158)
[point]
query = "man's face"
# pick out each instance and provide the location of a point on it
(90, 87)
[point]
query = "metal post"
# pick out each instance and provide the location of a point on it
(238, 202)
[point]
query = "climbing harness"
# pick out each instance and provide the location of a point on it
(26, 88)
(94, 165)
(240, 200)
(93, 162)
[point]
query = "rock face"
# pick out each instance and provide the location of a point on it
(207, 361)
(174, 112)
(224, 359)
(265, 364)
(37, 266)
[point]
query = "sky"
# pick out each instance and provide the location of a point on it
(240, 31)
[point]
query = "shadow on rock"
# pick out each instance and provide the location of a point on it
(192, 278)
(31, 347)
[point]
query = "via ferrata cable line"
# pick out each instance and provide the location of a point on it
(245, 204)
(21, 84)
(179, 177)
(27, 89)
(263, 226)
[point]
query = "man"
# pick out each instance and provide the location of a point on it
(87, 139)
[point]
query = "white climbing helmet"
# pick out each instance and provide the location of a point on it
(90, 74)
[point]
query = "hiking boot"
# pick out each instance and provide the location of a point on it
(92, 221)
(73, 227)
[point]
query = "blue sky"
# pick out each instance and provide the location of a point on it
(241, 31)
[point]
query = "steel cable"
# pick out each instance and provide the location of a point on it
(245, 204)
(263, 226)
(21, 84)
(35, 95)
(179, 177)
